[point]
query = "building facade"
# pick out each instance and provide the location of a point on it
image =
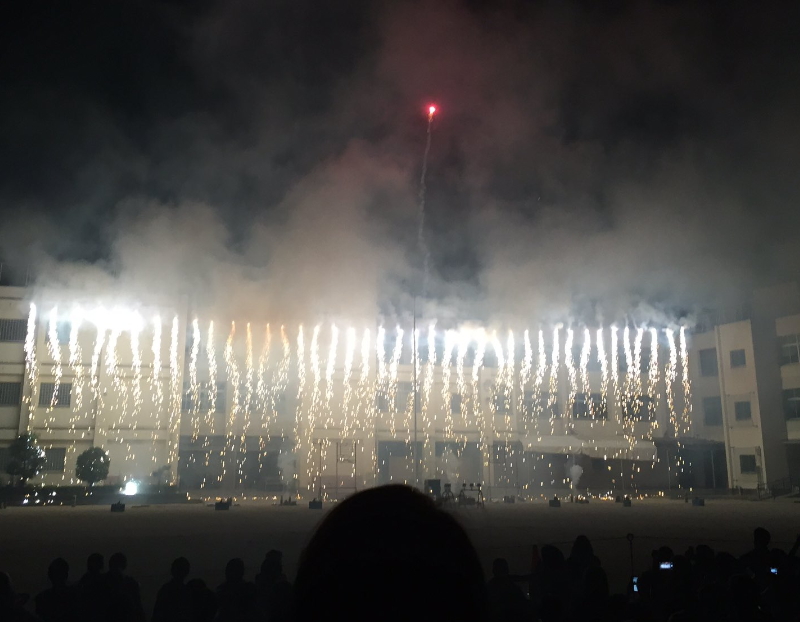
(325, 410)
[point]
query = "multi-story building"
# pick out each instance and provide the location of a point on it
(321, 409)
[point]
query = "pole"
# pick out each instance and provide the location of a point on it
(669, 473)
(416, 394)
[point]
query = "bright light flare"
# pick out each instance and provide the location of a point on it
(431, 112)
(131, 488)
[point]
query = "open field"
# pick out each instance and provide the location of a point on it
(152, 536)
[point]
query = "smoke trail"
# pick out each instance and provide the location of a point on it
(421, 242)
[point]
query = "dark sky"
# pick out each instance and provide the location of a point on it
(589, 159)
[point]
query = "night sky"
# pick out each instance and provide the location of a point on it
(590, 160)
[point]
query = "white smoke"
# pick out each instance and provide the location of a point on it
(575, 472)
(450, 466)
(286, 465)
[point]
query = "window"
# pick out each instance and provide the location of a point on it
(546, 409)
(599, 407)
(598, 465)
(382, 401)
(791, 403)
(501, 403)
(639, 408)
(10, 393)
(3, 459)
(589, 406)
(13, 330)
(712, 410)
(738, 358)
(63, 329)
(404, 398)
(708, 362)
(204, 398)
(742, 410)
(581, 406)
(280, 405)
(62, 399)
(747, 463)
(54, 459)
(790, 349)
(455, 403)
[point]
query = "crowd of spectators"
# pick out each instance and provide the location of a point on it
(390, 554)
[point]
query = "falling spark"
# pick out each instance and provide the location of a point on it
(136, 365)
(652, 373)
(554, 365)
(30, 364)
(75, 357)
(347, 382)
(175, 394)
(615, 362)
(155, 378)
(603, 360)
(194, 388)
(586, 352)
(670, 377)
(571, 372)
(449, 345)
(55, 354)
(227, 454)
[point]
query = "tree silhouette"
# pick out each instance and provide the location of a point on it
(25, 458)
(92, 466)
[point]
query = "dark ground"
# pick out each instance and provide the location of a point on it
(152, 536)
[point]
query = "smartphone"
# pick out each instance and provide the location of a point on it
(635, 584)
(773, 570)
(665, 566)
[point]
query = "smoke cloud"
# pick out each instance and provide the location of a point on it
(588, 163)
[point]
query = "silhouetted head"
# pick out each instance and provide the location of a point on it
(552, 557)
(234, 570)
(761, 538)
(500, 567)
(180, 568)
(117, 562)
(582, 548)
(272, 566)
(408, 560)
(94, 563)
(58, 571)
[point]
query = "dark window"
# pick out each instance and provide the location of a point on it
(382, 402)
(501, 403)
(581, 406)
(55, 459)
(455, 403)
(13, 330)
(404, 396)
(3, 459)
(747, 463)
(708, 362)
(791, 403)
(547, 410)
(639, 408)
(738, 358)
(10, 393)
(62, 400)
(598, 465)
(63, 329)
(204, 398)
(280, 405)
(742, 410)
(712, 410)
(790, 349)
(589, 406)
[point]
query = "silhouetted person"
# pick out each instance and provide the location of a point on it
(399, 556)
(506, 600)
(202, 601)
(124, 599)
(92, 591)
(236, 598)
(12, 605)
(172, 600)
(550, 583)
(58, 602)
(757, 560)
(274, 590)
